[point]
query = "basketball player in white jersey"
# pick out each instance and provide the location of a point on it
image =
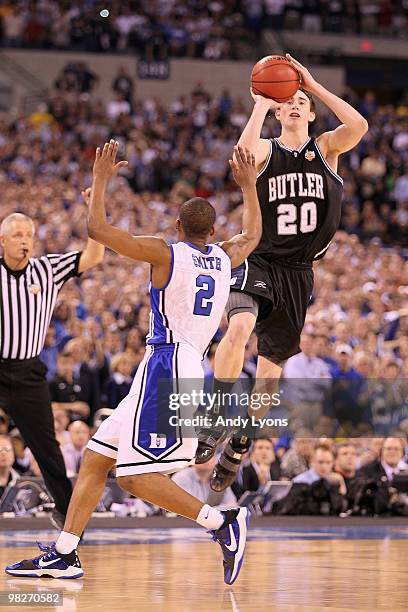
(189, 290)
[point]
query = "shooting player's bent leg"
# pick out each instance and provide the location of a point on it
(242, 310)
(279, 325)
(229, 463)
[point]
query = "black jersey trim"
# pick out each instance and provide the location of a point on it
(245, 275)
(332, 172)
(268, 159)
(293, 150)
(322, 251)
(104, 444)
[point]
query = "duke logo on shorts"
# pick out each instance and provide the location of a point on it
(157, 440)
(144, 432)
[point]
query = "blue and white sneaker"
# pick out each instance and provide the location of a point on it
(231, 536)
(50, 563)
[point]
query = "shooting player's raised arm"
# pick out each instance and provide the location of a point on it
(240, 246)
(251, 136)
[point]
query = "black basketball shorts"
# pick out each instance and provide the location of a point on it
(278, 296)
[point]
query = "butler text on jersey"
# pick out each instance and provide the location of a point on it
(296, 184)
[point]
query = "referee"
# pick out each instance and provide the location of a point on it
(28, 292)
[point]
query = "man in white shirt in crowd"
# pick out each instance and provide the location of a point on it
(307, 378)
(306, 364)
(73, 452)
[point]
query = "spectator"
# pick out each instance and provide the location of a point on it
(262, 467)
(120, 381)
(306, 364)
(196, 480)
(49, 354)
(346, 462)
(274, 13)
(312, 20)
(13, 25)
(307, 379)
(390, 461)
(119, 106)
(343, 368)
(89, 369)
(73, 451)
(296, 459)
(8, 476)
(65, 390)
(112, 342)
(371, 451)
(125, 22)
(22, 454)
(321, 466)
(33, 467)
(123, 84)
(61, 422)
(4, 422)
(345, 402)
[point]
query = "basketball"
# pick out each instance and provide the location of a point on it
(275, 77)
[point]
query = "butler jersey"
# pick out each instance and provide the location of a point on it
(190, 307)
(300, 198)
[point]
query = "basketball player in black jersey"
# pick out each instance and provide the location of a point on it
(300, 195)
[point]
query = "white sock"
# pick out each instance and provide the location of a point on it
(67, 542)
(210, 518)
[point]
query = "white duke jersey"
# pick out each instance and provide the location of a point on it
(190, 306)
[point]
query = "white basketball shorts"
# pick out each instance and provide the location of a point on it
(146, 432)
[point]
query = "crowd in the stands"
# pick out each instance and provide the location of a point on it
(157, 29)
(355, 338)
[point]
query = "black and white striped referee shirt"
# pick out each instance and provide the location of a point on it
(27, 301)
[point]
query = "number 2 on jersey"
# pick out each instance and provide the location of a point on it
(206, 286)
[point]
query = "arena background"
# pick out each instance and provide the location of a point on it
(170, 81)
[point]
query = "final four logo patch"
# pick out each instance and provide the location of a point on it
(34, 289)
(310, 155)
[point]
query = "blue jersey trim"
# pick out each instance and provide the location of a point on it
(209, 247)
(160, 324)
(170, 273)
(159, 330)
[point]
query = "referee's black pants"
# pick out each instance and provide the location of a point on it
(25, 396)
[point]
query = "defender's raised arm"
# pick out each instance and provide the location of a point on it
(244, 171)
(144, 248)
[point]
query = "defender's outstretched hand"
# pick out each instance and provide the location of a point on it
(86, 194)
(243, 167)
(105, 165)
(308, 82)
